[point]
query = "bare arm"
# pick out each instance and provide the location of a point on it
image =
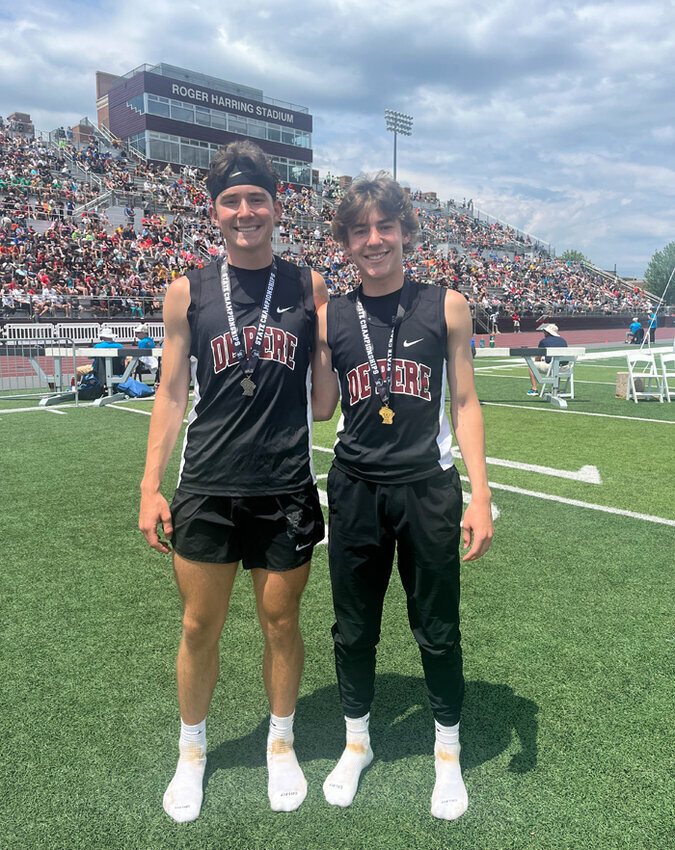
(167, 413)
(325, 391)
(324, 380)
(467, 422)
(319, 289)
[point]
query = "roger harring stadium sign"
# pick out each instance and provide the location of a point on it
(231, 104)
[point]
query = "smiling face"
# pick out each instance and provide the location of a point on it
(375, 244)
(246, 216)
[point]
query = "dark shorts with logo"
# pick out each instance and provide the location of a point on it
(275, 533)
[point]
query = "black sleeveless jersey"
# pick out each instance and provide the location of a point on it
(235, 445)
(418, 442)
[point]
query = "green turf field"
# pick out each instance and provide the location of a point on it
(567, 632)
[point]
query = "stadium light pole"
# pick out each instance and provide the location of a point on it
(398, 122)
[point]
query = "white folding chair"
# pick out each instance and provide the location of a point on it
(562, 376)
(643, 366)
(667, 371)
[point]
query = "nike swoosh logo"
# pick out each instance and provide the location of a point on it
(303, 546)
(407, 344)
(283, 309)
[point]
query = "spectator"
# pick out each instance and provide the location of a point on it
(147, 365)
(637, 331)
(653, 324)
(107, 340)
(551, 339)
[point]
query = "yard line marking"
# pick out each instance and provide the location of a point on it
(524, 377)
(482, 369)
(60, 412)
(588, 474)
(132, 410)
(577, 412)
(601, 366)
(321, 449)
(50, 409)
(577, 503)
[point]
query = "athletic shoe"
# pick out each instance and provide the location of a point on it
(532, 392)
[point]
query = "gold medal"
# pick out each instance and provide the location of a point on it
(248, 386)
(387, 415)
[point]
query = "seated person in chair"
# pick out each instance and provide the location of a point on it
(146, 365)
(107, 340)
(551, 339)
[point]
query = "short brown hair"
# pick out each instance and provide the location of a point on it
(244, 155)
(369, 191)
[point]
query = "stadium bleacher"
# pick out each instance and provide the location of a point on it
(90, 232)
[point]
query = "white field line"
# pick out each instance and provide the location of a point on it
(132, 410)
(482, 369)
(577, 503)
(577, 412)
(323, 497)
(60, 412)
(50, 409)
(524, 377)
(602, 366)
(588, 474)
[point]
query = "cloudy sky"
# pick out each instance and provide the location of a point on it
(554, 117)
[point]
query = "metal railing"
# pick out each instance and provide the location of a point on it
(100, 306)
(617, 281)
(28, 370)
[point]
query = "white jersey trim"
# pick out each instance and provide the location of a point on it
(444, 438)
(310, 423)
(192, 415)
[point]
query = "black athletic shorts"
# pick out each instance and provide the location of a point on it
(268, 532)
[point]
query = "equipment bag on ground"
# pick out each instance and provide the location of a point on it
(135, 389)
(89, 388)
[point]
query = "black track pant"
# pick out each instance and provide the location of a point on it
(367, 522)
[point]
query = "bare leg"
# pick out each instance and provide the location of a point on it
(278, 597)
(532, 380)
(205, 590)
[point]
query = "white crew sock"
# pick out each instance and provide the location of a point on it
(286, 785)
(183, 797)
(449, 800)
(340, 786)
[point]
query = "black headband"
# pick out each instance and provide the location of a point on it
(243, 176)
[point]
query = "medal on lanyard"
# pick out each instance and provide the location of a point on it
(382, 386)
(247, 364)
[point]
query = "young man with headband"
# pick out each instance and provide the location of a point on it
(393, 485)
(242, 330)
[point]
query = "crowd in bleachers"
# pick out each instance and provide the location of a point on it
(60, 255)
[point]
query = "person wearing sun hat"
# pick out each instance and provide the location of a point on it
(551, 339)
(142, 339)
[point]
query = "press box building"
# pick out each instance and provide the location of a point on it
(183, 117)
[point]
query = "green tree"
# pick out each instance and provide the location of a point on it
(571, 255)
(658, 273)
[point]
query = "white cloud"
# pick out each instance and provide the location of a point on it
(554, 117)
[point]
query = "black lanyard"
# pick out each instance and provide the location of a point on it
(382, 386)
(247, 364)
